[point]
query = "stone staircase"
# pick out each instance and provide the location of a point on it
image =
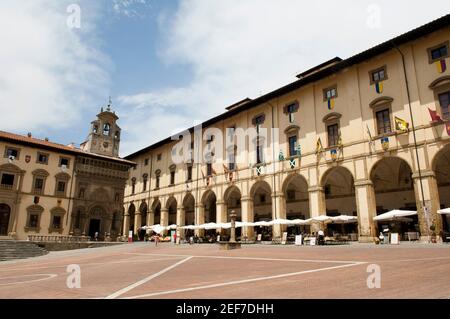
(11, 250)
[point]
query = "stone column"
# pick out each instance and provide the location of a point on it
(427, 214)
(126, 224)
(221, 213)
(150, 217)
(278, 212)
(164, 218)
(247, 216)
(199, 218)
(317, 206)
(367, 209)
(85, 225)
(181, 217)
(137, 221)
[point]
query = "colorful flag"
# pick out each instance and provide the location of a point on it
(401, 125)
(259, 170)
(379, 87)
(331, 103)
(434, 116)
(319, 146)
(441, 66)
(333, 153)
(385, 143)
(292, 163)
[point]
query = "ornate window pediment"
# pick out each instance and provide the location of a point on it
(380, 101)
(443, 80)
(332, 117)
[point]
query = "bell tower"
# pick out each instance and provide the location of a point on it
(104, 134)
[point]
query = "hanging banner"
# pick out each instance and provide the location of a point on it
(379, 87)
(441, 66)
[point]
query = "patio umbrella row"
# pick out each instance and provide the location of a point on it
(289, 222)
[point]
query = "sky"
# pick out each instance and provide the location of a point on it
(168, 65)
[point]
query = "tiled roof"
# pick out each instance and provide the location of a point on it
(39, 143)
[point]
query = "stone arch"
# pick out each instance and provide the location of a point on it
(189, 209)
(441, 168)
(295, 191)
(209, 200)
(261, 194)
(143, 209)
(156, 209)
(232, 199)
(393, 185)
(131, 215)
(171, 206)
(339, 191)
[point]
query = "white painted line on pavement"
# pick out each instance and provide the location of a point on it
(237, 282)
(145, 280)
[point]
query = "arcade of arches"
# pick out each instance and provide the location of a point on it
(391, 183)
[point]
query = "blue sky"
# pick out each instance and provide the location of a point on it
(170, 64)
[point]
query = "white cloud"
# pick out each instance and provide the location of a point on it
(130, 8)
(246, 48)
(49, 72)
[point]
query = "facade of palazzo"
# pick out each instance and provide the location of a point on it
(50, 189)
(359, 137)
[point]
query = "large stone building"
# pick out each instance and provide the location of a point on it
(358, 137)
(52, 189)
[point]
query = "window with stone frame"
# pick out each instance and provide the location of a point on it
(133, 185)
(444, 102)
(62, 180)
(144, 182)
(34, 213)
(39, 181)
(332, 127)
(42, 158)
(12, 152)
(290, 109)
(157, 179)
(383, 120)
(189, 172)
(172, 170)
(56, 220)
(438, 52)
(378, 75)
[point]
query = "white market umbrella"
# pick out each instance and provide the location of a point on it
(158, 229)
(395, 214)
(444, 211)
(344, 219)
(210, 226)
(171, 227)
(263, 223)
(320, 218)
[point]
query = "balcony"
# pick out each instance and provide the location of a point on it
(6, 187)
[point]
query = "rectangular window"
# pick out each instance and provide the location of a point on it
(38, 184)
(231, 161)
(333, 135)
(383, 121)
(292, 145)
(259, 120)
(61, 189)
(172, 178)
(378, 75)
(189, 173)
(64, 162)
(259, 154)
(56, 223)
(42, 158)
(329, 93)
(158, 157)
(10, 151)
(34, 221)
(146, 162)
(444, 101)
(8, 179)
(157, 181)
(438, 53)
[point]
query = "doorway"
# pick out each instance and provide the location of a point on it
(4, 219)
(94, 226)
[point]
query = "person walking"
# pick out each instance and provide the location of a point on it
(156, 240)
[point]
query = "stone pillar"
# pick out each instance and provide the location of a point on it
(278, 212)
(85, 225)
(181, 217)
(427, 214)
(126, 224)
(164, 218)
(137, 221)
(317, 206)
(221, 213)
(199, 218)
(150, 217)
(367, 209)
(247, 216)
